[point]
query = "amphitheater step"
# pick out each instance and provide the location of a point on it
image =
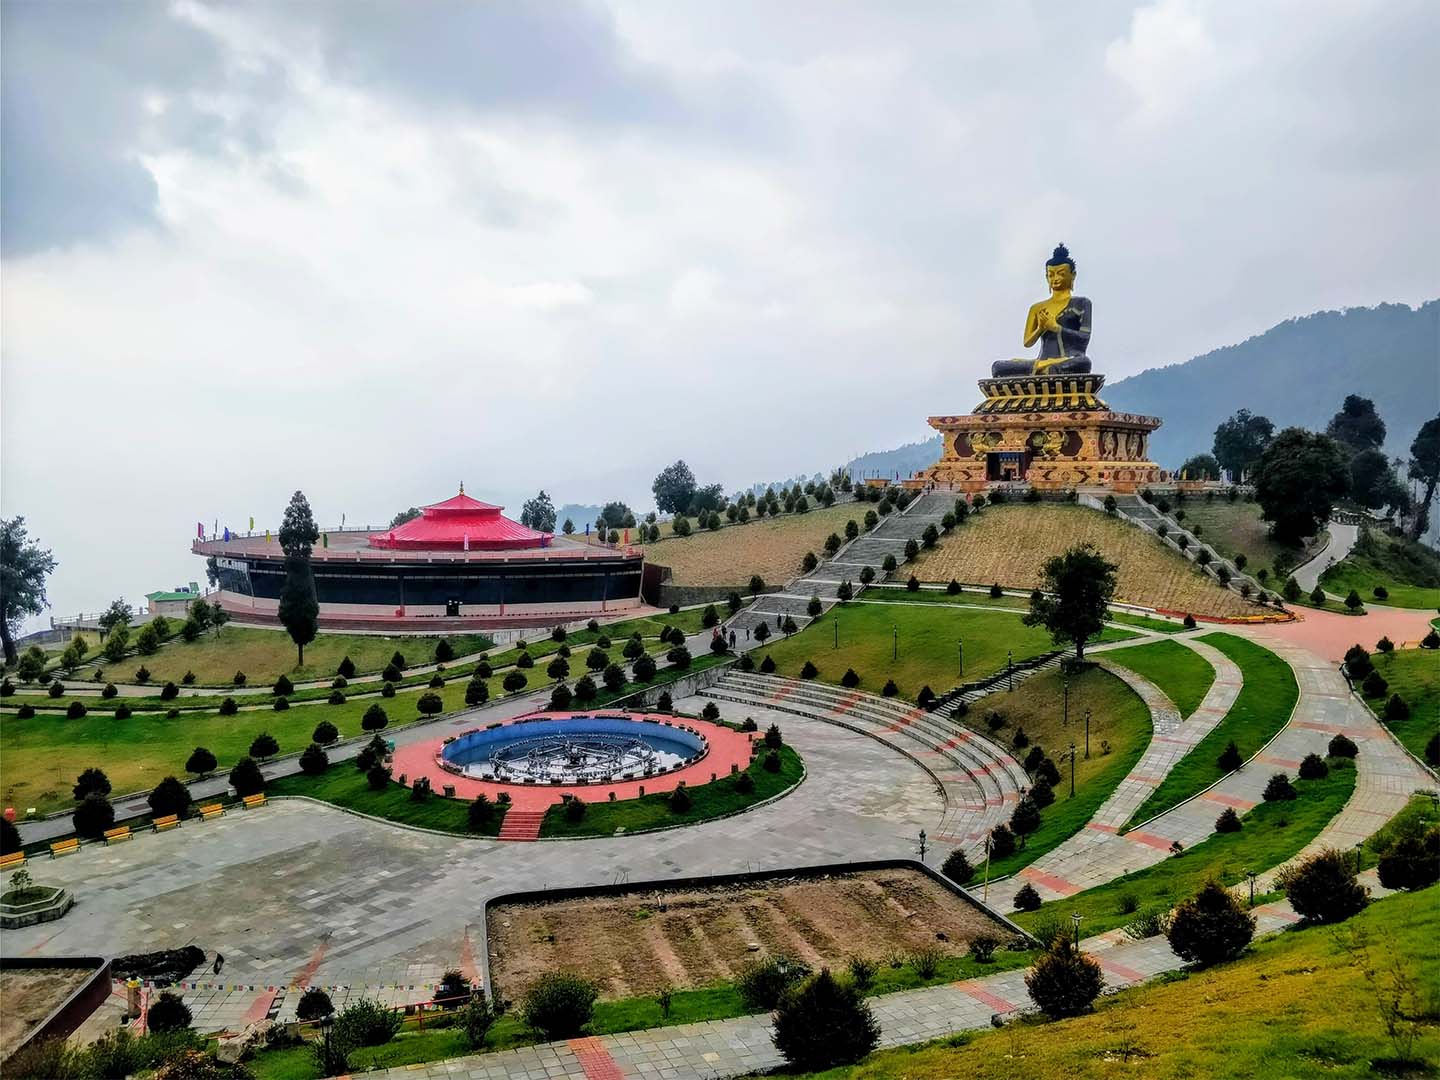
(521, 824)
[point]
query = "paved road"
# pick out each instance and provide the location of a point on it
(1342, 539)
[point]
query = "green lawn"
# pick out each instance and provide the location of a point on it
(1273, 833)
(1296, 1005)
(265, 655)
(1409, 571)
(1261, 709)
(1146, 622)
(972, 596)
(1182, 673)
(1414, 674)
(1238, 529)
(1119, 732)
(344, 785)
(922, 638)
(653, 811)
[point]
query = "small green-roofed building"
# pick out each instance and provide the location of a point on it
(174, 601)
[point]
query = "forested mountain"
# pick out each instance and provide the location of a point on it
(1297, 373)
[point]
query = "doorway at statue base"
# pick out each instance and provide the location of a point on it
(1050, 432)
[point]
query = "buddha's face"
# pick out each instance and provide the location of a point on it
(1060, 278)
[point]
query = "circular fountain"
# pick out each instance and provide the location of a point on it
(574, 750)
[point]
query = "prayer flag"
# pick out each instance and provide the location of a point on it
(200, 529)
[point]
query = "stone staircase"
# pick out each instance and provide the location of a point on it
(979, 780)
(868, 549)
(970, 693)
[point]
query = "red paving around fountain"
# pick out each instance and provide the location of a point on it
(727, 748)
(1328, 634)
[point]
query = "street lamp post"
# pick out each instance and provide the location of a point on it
(837, 633)
(960, 646)
(1065, 720)
(985, 889)
(895, 643)
(1087, 734)
(1251, 877)
(1072, 770)
(1010, 669)
(922, 845)
(1075, 927)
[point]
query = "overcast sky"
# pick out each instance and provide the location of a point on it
(370, 250)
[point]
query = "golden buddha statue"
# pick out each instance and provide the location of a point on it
(1061, 324)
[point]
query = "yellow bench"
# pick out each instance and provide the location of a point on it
(252, 801)
(64, 847)
(117, 835)
(213, 810)
(12, 861)
(170, 821)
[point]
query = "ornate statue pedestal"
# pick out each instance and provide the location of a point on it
(1050, 431)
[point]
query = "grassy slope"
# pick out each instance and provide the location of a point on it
(1238, 529)
(653, 811)
(1411, 572)
(1009, 544)
(1272, 1015)
(1273, 832)
(264, 655)
(1261, 709)
(928, 654)
(1182, 673)
(1414, 674)
(1145, 622)
(770, 547)
(1117, 716)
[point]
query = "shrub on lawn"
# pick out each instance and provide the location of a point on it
(890, 689)
(1002, 841)
(1374, 685)
(1432, 750)
(283, 686)
(1210, 927)
(75, 710)
(1042, 793)
(559, 1004)
(762, 982)
(391, 673)
(1314, 768)
(561, 697)
(228, 707)
(375, 719)
(574, 809)
(867, 575)
(1323, 889)
(1396, 708)
(246, 778)
(377, 777)
(850, 680)
(122, 712)
(1385, 645)
(1064, 981)
(169, 692)
(91, 779)
(823, 1023)
(1229, 759)
(167, 1013)
(200, 761)
(325, 733)
(346, 668)
(93, 816)
(1026, 818)
(1357, 662)
(1027, 899)
(1412, 861)
(1341, 746)
(771, 762)
(744, 783)
(957, 867)
(768, 664)
(367, 1023)
(1228, 821)
(1279, 789)
(996, 592)
(1353, 601)
(809, 671)
(513, 683)
(170, 796)
(314, 1003)
(680, 801)
(926, 698)
(664, 703)
(1431, 640)
(314, 760)
(387, 690)
(479, 813)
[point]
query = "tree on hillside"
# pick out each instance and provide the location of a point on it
(538, 514)
(1425, 468)
(119, 613)
(403, 516)
(614, 515)
(1357, 426)
(299, 609)
(1297, 481)
(1201, 467)
(1373, 482)
(24, 566)
(1073, 597)
(674, 488)
(1241, 440)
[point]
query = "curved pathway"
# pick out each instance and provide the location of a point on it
(1342, 540)
(1098, 852)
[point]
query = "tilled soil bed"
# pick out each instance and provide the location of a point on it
(637, 943)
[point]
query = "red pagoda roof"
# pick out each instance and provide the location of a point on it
(461, 523)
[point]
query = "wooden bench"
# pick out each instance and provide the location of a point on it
(13, 861)
(117, 835)
(64, 847)
(252, 801)
(169, 821)
(213, 810)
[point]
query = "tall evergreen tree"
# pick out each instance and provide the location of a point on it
(538, 513)
(24, 566)
(1357, 425)
(299, 609)
(1425, 467)
(1241, 440)
(1077, 590)
(1297, 481)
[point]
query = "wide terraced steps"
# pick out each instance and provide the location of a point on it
(869, 549)
(980, 781)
